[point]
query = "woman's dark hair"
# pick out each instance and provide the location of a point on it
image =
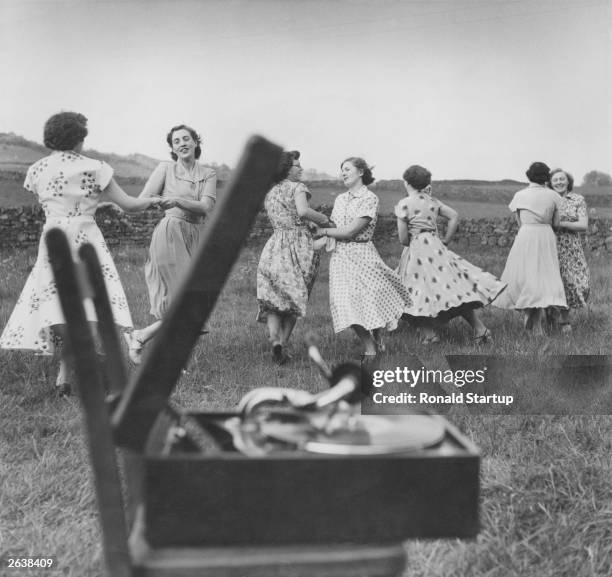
(64, 130)
(360, 164)
(538, 172)
(285, 164)
(194, 135)
(570, 178)
(417, 177)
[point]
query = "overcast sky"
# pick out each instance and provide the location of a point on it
(467, 88)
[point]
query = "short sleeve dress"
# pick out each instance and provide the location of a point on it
(68, 186)
(177, 235)
(441, 284)
(572, 262)
(363, 290)
(288, 263)
(532, 268)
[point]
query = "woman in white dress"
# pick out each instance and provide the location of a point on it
(532, 268)
(364, 293)
(69, 187)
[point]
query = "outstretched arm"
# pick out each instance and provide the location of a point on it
(114, 193)
(348, 232)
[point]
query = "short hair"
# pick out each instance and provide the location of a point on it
(417, 177)
(285, 164)
(64, 130)
(196, 137)
(570, 178)
(360, 164)
(538, 172)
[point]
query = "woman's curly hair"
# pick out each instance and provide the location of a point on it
(285, 164)
(417, 176)
(196, 137)
(360, 164)
(64, 130)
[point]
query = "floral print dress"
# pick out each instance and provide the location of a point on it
(288, 264)
(68, 186)
(572, 262)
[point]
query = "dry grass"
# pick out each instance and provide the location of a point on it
(546, 481)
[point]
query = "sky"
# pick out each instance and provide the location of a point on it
(468, 88)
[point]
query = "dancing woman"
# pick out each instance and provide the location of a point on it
(288, 263)
(189, 190)
(532, 268)
(364, 293)
(573, 220)
(69, 186)
(442, 285)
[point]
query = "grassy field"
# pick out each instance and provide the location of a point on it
(546, 480)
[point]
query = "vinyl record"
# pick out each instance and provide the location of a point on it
(385, 434)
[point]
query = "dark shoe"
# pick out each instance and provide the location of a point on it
(63, 390)
(483, 338)
(277, 354)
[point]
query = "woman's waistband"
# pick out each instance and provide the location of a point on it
(66, 220)
(186, 216)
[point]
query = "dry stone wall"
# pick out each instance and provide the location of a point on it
(20, 227)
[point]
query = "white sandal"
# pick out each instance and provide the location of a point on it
(135, 346)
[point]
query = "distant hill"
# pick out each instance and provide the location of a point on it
(17, 153)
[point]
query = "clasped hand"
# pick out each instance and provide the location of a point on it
(164, 203)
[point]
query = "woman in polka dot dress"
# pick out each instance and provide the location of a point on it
(69, 187)
(441, 284)
(364, 293)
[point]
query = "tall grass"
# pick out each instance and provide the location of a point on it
(546, 480)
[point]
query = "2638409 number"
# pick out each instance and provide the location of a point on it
(35, 562)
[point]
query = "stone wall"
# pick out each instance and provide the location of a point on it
(20, 227)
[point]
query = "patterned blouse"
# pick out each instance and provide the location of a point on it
(349, 206)
(68, 184)
(171, 179)
(573, 206)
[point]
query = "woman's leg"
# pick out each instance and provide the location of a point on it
(367, 339)
(564, 321)
(275, 331)
(379, 338)
(538, 316)
(472, 316)
(287, 326)
(65, 373)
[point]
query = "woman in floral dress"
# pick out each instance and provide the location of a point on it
(573, 219)
(69, 187)
(441, 283)
(364, 293)
(189, 190)
(288, 262)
